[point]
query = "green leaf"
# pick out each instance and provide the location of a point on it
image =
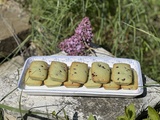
(122, 118)
(22, 111)
(91, 117)
(1, 114)
(153, 115)
(54, 113)
(65, 115)
(130, 112)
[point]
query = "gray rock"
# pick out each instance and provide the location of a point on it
(14, 24)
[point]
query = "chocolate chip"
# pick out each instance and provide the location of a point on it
(42, 66)
(103, 67)
(118, 72)
(117, 66)
(117, 78)
(99, 65)
(93, 75)
(60, 71)
(74, 68)
(75, 72)
(123, 79)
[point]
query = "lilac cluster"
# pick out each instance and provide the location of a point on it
(84, 30)
(79, 42)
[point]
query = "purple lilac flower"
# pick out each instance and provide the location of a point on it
(84, 30)
(75, 45)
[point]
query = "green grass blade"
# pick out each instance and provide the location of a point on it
(22, 111)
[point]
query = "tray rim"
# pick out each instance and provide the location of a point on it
(72, 92)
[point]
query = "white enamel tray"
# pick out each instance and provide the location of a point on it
(82, 91)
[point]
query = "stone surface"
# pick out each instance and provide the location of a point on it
(79, 108)
(14, 27)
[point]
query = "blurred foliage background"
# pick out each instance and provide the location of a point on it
(126, 28)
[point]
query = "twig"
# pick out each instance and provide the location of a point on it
(90, 48)
(8, 94)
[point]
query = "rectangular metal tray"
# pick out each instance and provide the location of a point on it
(82, 91)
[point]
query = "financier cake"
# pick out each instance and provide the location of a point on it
(51, 83)
(31, 82)
(38, 70)
(111, 86)
(70, 84)
(100, 72)
(90, 83)
(122, 74)
(79, 72)
(134, 84)
(58, 71)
